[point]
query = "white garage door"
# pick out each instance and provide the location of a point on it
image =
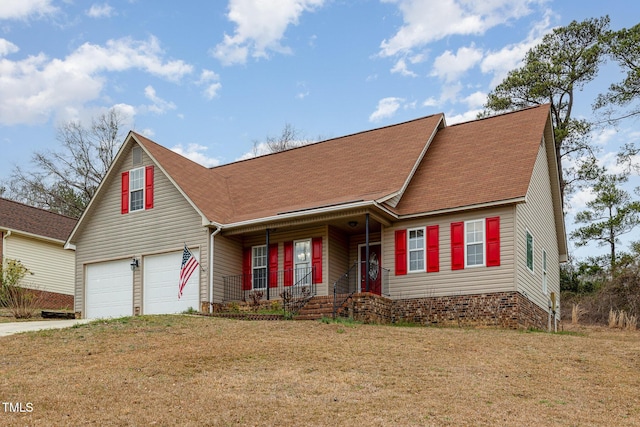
(161, 278)
(109, 290)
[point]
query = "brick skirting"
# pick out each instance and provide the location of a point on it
(53, 300)
(504, 310)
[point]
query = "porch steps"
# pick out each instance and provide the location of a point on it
(317, 308)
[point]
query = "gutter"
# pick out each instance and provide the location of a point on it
(6, 234)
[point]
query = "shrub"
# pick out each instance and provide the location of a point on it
(21, 301)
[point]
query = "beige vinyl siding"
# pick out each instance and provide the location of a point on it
(227, 261)
(338, 256)
(281, 236)
(106, 234)
(537, 216)
(471, 280)
(52, 266)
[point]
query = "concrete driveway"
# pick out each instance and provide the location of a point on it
(17, 327)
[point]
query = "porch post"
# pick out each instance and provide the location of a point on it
(268, 272)
(366, 252)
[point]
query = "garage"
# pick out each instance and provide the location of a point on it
(109, 289)
(161, 274)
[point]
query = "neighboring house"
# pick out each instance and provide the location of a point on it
(36, 238)
(453, 223)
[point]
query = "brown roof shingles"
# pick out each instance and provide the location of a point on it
(39, 222)
(478, 162)
(472, 163)
(363, 166)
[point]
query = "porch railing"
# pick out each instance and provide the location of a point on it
(293, 287)
(347, 285)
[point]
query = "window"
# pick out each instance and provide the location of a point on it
(416, 249)
(529, 251)
(302, 262)
(474, 242)
(137, 156)
(544, 272)
(136, 189)
(259, 267)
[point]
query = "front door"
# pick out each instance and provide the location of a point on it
(375, 269)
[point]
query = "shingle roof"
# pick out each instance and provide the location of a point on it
(364, 166)
(472, 163)
(482, 161)
(20, 217)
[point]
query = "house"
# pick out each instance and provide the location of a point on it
(452, 223)
(36, 238)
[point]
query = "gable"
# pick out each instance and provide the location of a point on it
(475, 163)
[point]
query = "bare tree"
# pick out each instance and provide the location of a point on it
(289, 138)
(65, 180)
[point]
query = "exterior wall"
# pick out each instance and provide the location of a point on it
(280, 236)
(338, 256)
(227, 261)
(51, 265)
(108, 235)
(502, 309)
(537, 216)
(471, 280)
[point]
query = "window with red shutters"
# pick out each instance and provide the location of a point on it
(288, 263)
(246, 269)
(457, 245)
(433, 249)
(273, 265)
(316, 259)
(148, 187)
(124, 197)
(401, 252)
(493, 241)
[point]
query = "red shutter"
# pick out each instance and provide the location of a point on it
(316, 259)
(273, 265)
(433, 249)
(401, 252)
(124, 199)
(288, 263)
(493, 241)
(457, 245)
(148, 187)
(246, 269)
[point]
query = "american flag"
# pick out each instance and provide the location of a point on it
(189, 264)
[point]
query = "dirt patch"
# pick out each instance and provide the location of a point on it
(189, 370)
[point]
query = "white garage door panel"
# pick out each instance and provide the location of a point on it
(109, 290)
(161, 278)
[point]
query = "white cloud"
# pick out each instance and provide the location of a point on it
(450, 66)
(7, 48)
(475, 100)
(387, 107)
(100, 11)
(24, 9)
(578, 200)
(603, 136)
(210, 80)
(34, 88)
(460, 118)
(259, 28)
(401, 67)
(511, 56)
(196, 152)
(159, 106)
(427, 21)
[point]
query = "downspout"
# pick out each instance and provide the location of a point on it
(213, 234)
(5, 234)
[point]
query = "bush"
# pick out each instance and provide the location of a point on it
(21, 301)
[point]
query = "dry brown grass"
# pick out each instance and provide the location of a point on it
(183, 370)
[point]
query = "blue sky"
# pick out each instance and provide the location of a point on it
(209, 78)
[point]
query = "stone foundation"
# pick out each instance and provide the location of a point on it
(510, 310)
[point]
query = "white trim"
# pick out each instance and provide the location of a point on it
(515, 200)
(483, 243)
(545, 286)
(143, 189)
(295, 264)
(253, 267)
(533, 251)
(32, 235)
(424, 250)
